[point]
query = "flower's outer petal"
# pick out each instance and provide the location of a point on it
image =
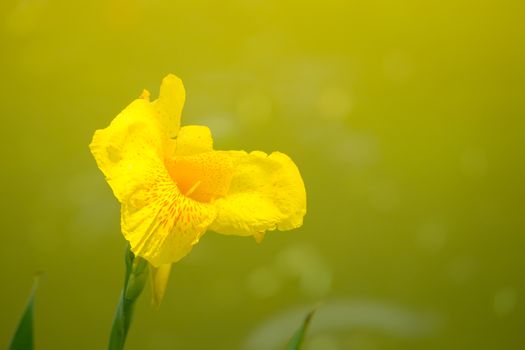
(266, 193)
(193, 139)
(169, 104)
(160, 223)
(159, 280)
(130, 145)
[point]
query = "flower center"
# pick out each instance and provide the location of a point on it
(203, 177)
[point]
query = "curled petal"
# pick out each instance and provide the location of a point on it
(266, 193)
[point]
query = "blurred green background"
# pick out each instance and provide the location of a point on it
(406, 119)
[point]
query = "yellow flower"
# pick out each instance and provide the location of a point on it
(173, 186)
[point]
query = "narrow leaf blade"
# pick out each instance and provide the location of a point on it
(23, 336)
(298, 337)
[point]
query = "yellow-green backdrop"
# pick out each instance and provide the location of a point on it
(406, 118)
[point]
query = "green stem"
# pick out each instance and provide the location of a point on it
(134, 281)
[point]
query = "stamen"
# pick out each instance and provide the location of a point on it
(193, 188)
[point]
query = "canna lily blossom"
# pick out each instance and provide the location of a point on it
(173, 186)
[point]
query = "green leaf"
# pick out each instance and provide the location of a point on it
(23, 337)
(297, 339)
(134, 281)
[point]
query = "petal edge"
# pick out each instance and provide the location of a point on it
(266, 193)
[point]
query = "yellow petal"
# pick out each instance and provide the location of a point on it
(131, 144)
(169, 104)
(193, 139)
(160, 223)
(159, 281)
(266, 193)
